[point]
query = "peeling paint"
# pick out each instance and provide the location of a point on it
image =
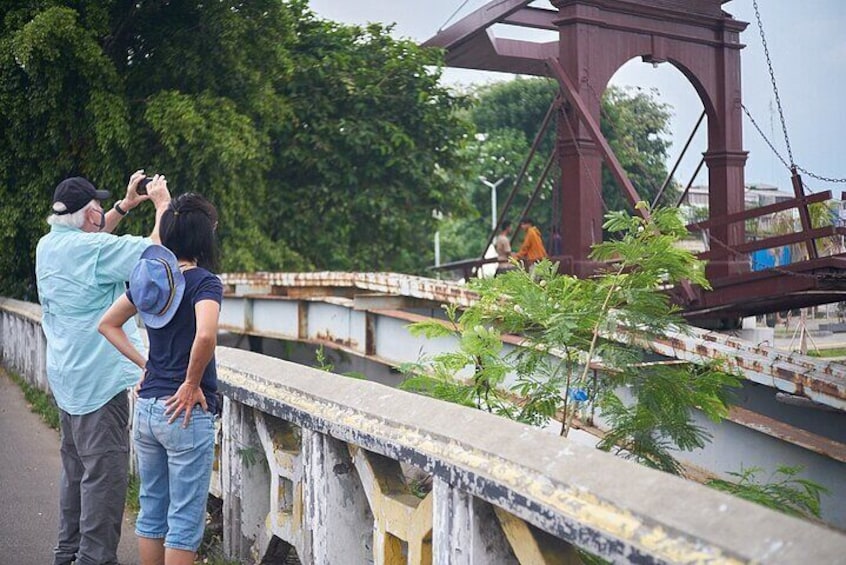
(561, 504)
(575, 514)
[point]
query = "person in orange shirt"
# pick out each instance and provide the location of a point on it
(532, 249)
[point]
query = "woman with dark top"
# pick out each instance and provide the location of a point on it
(178, 297)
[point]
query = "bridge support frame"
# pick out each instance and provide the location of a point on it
(596, 37)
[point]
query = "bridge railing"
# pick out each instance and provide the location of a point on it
(806, 236)
(347, 471)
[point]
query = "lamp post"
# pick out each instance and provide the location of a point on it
(493, 186)
(438, 215)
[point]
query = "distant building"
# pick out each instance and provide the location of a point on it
(695, 203)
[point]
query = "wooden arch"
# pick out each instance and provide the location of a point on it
(597, 37)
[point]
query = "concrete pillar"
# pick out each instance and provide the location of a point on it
(246, 484)
(465, 530)
(335, 508)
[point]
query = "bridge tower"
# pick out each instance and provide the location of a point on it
(597, 37)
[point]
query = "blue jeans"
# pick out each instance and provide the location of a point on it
(175, 466)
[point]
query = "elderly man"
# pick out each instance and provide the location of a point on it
(81, 268)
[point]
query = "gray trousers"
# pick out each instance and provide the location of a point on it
(95, 467)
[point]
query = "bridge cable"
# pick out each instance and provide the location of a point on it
(764, 137)
(792, 164)
(773, 81)
(449, 19)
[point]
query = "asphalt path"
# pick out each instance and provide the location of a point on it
(29, 474)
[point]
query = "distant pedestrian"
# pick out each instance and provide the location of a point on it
(178, 298)
(532, 249)
(80, 268)
(502, 244)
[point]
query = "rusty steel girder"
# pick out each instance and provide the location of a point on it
(822, 382)
(444, 292)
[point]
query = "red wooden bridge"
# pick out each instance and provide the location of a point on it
(596, 37)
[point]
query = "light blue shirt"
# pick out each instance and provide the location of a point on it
(79, 276)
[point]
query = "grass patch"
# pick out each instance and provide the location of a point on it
(133, 504)
(834, 352)
(40, 402)
(211, 549)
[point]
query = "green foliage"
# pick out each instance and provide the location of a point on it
(322, 361)
(636, 127)
(508, 116)
(783, 491)
(251, 455)
(659, 421)
(518, 105)
(321, 144)
(571, 325)
(832, 352)
(369, 146)
(133, 492)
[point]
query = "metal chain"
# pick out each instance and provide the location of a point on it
(782, 159)
(773, 80)
(820, 177)
(765, 138)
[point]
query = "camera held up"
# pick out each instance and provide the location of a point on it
(142, 185)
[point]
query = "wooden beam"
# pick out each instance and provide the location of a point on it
(761, 211)
(781, 240)
(474, 23)
(581, 109)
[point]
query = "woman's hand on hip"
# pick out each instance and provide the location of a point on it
(187, 396)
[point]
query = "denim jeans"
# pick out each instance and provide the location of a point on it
(175, 465)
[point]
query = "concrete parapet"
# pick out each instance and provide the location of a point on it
(23, 347)
(317, 463)
(489, 474)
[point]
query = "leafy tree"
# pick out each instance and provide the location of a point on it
(571, 326)
(572, 331)
(322, 145)
(635, 125)
(373, 147)
(508, 116)
(518, 105)
(784, 491)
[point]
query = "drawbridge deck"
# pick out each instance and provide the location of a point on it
(798, 285)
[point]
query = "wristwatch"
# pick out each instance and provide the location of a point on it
(120, 210)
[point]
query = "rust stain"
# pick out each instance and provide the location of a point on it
(327, 336)
(758, 363)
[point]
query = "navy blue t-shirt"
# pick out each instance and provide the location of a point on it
(170, 346)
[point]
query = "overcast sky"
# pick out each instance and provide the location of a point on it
(807, 44)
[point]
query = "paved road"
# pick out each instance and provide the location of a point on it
(29, 473)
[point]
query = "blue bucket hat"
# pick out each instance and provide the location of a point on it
(157, 286)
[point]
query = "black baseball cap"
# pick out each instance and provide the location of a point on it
(74, 193)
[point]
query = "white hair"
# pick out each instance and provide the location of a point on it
(73, 220)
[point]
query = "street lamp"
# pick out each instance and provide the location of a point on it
(493, 186)
(438, 215)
